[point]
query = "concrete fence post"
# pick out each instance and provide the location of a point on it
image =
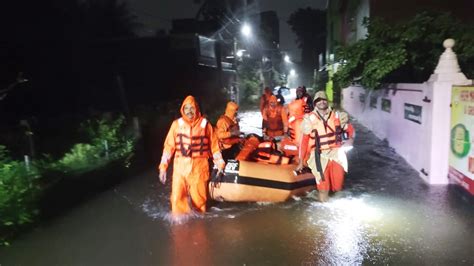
(446, 74)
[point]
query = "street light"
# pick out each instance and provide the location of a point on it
(292, 72)
(287, 58)
(246, 30)
(240, 53)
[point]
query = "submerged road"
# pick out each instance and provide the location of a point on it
(386, 215)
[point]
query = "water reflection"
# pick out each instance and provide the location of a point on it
(190, 244)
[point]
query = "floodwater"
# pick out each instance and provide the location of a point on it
(385, 216)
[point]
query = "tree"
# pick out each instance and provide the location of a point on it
(405, 52)
(309, 26)
(249, 81)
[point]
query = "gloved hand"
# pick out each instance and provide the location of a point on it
(162, 176)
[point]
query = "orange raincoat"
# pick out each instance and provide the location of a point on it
(265, 98)
(275, 119)
(226, 124)
(191, 142)
(296, 113)
(290, 146)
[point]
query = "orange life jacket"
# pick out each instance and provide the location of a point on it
(328, 131)
(274, 120)
(296, 114)
(250, 144)
(192, 141)
(226, 143)
(266, 152)
(289, 147)
(273, 158)
(294, 127)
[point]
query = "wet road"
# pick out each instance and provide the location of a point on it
(386, 215)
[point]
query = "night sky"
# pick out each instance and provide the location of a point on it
(157, 14)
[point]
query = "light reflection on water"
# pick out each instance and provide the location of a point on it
(347, 230)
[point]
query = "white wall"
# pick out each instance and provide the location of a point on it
(409, 139)
(424, 145)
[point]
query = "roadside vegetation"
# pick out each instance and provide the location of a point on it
(23, 184)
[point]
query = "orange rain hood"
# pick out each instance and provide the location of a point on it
(190, 100)
(231, 109)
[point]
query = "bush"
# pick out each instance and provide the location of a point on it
(108, 140)
(18, 195)
(20, 188)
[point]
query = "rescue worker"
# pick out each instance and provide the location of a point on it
(267, 92)
(331, 132)
(301, 93)
(228, 131)
(191, 140)
(290, 146)
(275, 119)
(296, 114)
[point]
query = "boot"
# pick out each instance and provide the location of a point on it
(323, 195)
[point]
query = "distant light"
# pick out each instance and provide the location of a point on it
(287, 58)
(292, 72)
(246, 30)
(240, 53)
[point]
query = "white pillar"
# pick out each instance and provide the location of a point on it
(446, 74)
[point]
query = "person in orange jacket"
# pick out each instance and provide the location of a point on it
(267, 92)
(275, 119)
(302, 94)
(331, 132)
(296, 111)
(228, 131)
(191, 140)
(290, 145)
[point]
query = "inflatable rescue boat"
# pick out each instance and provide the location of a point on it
(259, 182)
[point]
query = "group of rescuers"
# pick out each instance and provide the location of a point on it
(302, 127)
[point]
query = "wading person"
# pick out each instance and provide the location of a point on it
(228, 131)
(191, 141)
(327, 135)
